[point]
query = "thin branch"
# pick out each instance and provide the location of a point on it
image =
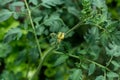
(37, 6)
(100, 27)
(82, 23)
(105, 73)
(46, 53)
(31, 21)
(73, 28)
(108, 63)
(77, 57)
(104, 67)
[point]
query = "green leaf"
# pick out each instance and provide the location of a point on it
(116, 64)
(4, 14)
(100, 77)
(13, 34)
(76, 75)
(73, 11)
(4, 50)
(49, 3)
(113, 49)
(15, 15)
(54, 22)
(40, 29)
(104, 37)
(115, 36)
(7, 75)
(99, 3)
(18, 4)
(91, 69)
(61, 60)
(33, 52)
(64, 29)
(35, 2)
(4, 2)
(37, 20)
(112, 75)
(92, 36)
(84, 66)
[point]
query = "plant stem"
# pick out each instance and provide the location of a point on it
(105, 74)
(73, 28)
(108, 63)
(46, 53)
(100, 27)
(31, 21)
(81, 23)
(98, 64)
(77, 57)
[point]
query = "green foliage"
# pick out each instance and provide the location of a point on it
(112, 75)
(100, 78)
(59, 40)
(91, 69)
(76, 75)
(114, 50)
(12, 35)
(50, 3)
(4, 50)
(35, 2)
(61, 60)
(4, 15)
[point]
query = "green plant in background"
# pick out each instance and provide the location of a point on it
(114, 8)
(58, 40)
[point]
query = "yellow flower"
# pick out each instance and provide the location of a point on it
(60, 36)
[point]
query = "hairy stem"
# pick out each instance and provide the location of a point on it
(108, 63)
(33, 27)
(45, 54)
(77, 57)
(104, 67)
(73, 28)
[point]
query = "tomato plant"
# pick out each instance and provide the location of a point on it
(59, 40)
